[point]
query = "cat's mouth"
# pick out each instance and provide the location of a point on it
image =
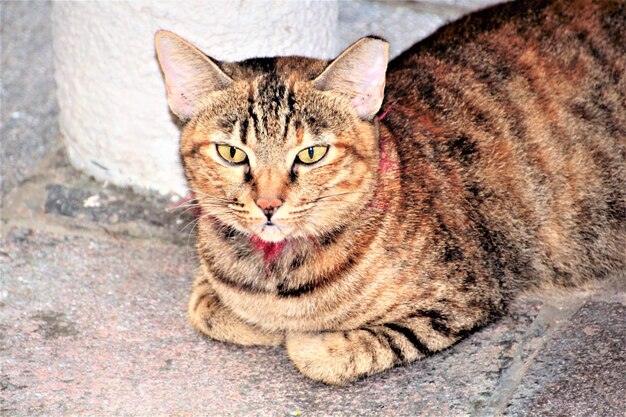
(271, 231)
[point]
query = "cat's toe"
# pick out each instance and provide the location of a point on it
(332, 357)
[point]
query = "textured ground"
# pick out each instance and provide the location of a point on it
(93, 291)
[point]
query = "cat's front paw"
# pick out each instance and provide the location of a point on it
(211, 317)
(336, 358)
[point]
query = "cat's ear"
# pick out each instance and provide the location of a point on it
(189, 74)
(359, 74)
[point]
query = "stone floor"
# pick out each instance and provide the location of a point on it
(93, 289)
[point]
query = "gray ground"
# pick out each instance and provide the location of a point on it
(93, 288)
(29, 109)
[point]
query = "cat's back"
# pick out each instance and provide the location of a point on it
(512, 120)
(580, 42)
(558, 28)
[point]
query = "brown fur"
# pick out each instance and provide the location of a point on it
(498, 165)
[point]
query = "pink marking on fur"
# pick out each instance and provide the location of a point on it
(380, 204)
(386, 163)
(382, 116)
(315, 243)
(271, 250)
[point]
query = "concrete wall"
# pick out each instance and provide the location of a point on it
(114, 116)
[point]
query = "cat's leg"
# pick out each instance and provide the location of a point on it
(211, 317)
(340, 357)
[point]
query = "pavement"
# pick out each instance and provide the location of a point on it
(94, 282)
(29, 109)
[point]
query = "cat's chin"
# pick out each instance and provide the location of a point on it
(271, 234)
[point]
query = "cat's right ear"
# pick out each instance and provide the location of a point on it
(189, 74)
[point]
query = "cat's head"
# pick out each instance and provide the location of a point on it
(278, 148)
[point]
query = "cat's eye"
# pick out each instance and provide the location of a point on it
(312, 155)
(231, 154)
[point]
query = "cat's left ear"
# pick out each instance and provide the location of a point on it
(359, 74)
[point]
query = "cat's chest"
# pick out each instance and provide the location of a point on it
(259, 266)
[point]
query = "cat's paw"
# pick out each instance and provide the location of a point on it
(209, 316)
(336, 358)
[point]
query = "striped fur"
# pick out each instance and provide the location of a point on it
(496, 165)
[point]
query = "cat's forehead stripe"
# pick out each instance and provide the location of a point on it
(243, 130)
(252, 113)
(271, 104)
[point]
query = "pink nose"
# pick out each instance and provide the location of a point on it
(266, 203)
(269, 206)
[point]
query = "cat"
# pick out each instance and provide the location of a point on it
(366, 217)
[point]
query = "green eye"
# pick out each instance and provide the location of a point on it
(231, 154)
(312, 155)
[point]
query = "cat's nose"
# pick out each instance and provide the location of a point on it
(269, 206)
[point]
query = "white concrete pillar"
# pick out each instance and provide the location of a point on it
(113, 111)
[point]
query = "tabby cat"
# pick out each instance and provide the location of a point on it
(366, 226)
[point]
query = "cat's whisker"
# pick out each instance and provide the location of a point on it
(204, 200)
(297, 216)
(305, 226)
(324, 197)
(196, 192)
(203, 216)
(195, 223)
(210, 196)
(181, 206)
(192, 222)
(197, 220)
(188, 209)
(236, 208)
(301, 210)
